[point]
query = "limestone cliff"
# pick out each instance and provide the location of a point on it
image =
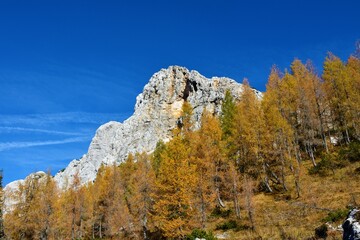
(157, 109)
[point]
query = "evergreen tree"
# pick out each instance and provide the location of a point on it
(156, 156)
(228, 110)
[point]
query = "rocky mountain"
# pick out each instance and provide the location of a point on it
(157, 110)
(12, 187)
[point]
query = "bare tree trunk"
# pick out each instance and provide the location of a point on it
(220, 202)
(73, 224)
(235, 194)
(322, 131)
(266, 179)
(283, 170)
(100, 229)
(311, 153)
(248, 201)
(203, 210)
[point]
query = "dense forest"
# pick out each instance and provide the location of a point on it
(268, 151)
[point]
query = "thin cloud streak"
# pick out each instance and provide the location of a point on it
(55, 118)
(13, 145)
(37, 130)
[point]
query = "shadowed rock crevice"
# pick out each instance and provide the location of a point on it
(190, 87)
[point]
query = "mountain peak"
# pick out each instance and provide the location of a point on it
(157, 110)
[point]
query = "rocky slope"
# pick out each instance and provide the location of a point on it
(11, 189)
(157, 109)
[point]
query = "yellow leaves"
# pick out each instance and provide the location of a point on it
(31, 217)
(174, 190)
(174, 185)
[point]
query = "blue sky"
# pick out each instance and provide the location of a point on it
(67, 67)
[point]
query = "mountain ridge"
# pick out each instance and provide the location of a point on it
(156, 111)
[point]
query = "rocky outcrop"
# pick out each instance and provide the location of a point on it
(157, 110)
(11, 189)
(351, 226)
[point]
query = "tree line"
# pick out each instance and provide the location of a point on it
(253, 146)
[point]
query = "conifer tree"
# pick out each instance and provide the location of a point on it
(353, 75)
(227, 115)
(307, 125)
(249, 132)
(289, 95)
(279, 138)
(156, 156)
(317, 94)
(112, 216)
(73, 211)
(173, 208)
(141, 199)
(227, 121)
(186, 122)
(337, 89)
(230, 150)
(137, 177)
(48, 196)
(207, 158)
(30, 217)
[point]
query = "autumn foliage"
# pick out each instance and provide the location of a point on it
(255, 146)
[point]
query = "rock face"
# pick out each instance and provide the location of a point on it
(157, 110)
(11, 188)
(351, 226)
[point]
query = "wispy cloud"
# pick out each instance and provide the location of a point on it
(12, 145)
(56, 118)
(36, 130)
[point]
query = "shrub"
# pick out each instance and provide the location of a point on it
(198, 233)
(336, 215)
(231, 224)
(321, 232)
(329, 162)
(218, 212)
(351, 152)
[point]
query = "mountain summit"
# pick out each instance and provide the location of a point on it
(157, 110)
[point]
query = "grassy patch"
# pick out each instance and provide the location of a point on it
(336, 215)
(198, 233)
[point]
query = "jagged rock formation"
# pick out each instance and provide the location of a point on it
(351, 226)
(11, 188)
(157, 110)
